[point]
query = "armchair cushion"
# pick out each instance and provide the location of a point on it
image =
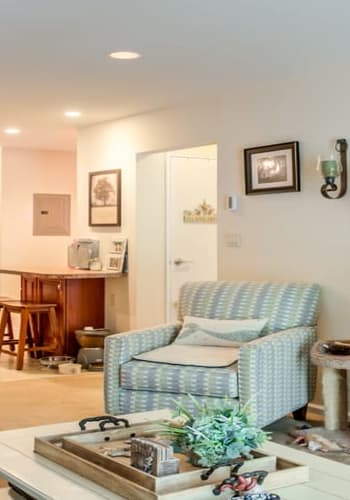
(193, 355)
(179, 379)
(219, 332)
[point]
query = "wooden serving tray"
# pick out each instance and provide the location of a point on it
(81, 453)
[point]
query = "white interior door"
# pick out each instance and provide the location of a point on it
(192, 246)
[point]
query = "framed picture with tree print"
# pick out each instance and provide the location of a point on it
(105, 198)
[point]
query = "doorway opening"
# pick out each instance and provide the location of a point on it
(176, 228)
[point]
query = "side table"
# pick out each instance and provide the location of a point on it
(334, 385)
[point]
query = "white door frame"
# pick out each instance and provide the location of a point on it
(168, 238)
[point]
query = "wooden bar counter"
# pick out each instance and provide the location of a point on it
(79, 295)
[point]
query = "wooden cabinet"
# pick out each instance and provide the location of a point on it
(80, 302)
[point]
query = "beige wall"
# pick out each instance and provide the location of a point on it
(25, 172)
(150, 240)
(115, 145)
(293, 236)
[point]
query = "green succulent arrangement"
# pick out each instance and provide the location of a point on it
(215, 434)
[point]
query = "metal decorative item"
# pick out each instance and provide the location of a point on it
(246, 485)
(272, 169)
(331, 168)
(154, 456)
(203, 213)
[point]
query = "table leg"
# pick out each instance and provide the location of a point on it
(335, 398)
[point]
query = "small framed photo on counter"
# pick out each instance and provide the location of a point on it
(120, 245)
(115, 261)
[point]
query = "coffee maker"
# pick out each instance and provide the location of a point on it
(81, 252)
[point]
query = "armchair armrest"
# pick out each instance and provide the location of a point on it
(121, 347)
(275, 375)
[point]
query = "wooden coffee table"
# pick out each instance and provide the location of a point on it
(44, 480)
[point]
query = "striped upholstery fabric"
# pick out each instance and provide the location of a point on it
(134, 401)
(285, 304)
(275, 375)
(121, 347)
(163, 377)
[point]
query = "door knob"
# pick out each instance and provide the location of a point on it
(180, 261)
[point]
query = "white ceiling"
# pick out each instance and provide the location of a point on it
(54, 56)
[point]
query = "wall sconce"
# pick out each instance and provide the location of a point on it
(332, 168)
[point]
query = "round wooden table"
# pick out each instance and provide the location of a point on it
(334, 385)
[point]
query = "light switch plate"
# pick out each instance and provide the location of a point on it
(232, 240)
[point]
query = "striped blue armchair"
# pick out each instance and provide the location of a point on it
(273, 374)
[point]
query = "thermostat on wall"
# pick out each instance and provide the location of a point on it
(231, 202)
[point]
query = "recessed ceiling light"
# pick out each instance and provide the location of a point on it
(72, 114)
(124, 55)
(12, 130)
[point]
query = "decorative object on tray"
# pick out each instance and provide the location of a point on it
(105, 198)
(272, 169)
(216, 435)
(154, 456)
(247, 485)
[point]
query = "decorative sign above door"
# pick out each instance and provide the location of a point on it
(204, 213)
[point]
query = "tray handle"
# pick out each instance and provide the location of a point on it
(103, 419)
(113, 420)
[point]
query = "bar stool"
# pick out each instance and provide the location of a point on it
(30, 337)
(9, 340)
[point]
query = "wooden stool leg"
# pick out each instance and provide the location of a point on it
(10, 332)
(33, 336)
(22, 339)
(3, 324)
(54, 330)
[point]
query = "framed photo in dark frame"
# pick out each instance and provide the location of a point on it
(272, 169)
(105, 198)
